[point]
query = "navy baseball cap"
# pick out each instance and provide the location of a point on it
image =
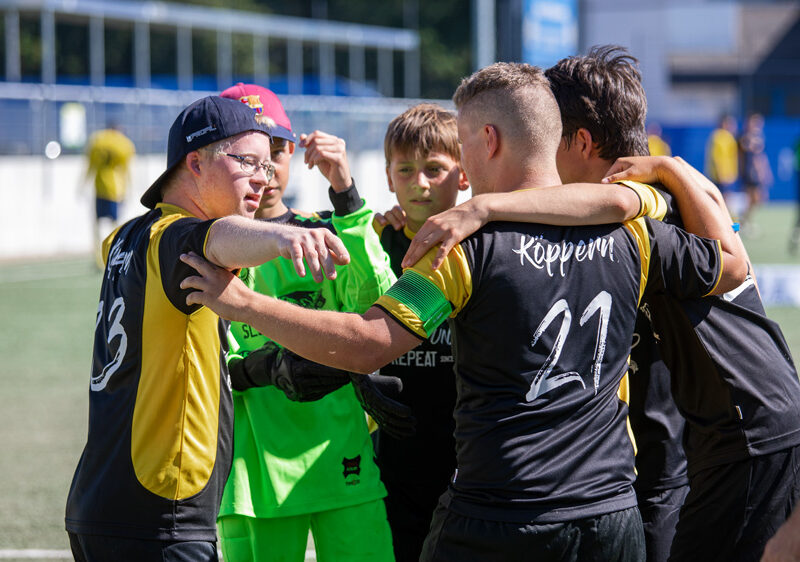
(201, 123)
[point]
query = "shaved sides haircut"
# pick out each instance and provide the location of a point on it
(516, 97)
(602, 93)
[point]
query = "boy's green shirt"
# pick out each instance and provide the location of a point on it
(292, 458)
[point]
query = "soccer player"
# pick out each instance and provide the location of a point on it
(301, 466)
(422, 166)
(712, 347)
(756, 173)
(655, 142)
(149, 481)
(542, 319)
(108, 154)
(722, 156)
(423, 170)
(794, 236)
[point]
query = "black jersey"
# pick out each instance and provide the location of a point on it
(656, 422)
(542, 321)
(733, 378)
(160, 408)
(429, 388)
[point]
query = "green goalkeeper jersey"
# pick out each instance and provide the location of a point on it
(292, 458)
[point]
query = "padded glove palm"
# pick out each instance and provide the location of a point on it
(377, 395)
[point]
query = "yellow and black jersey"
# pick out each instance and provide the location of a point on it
(160, 411)
(733, 378)
(542, 319)
(657, 424)
(429, 389)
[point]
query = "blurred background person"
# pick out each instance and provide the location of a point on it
(108, 154)
(756, 173)
(794, 237)
(655, 141)
(722, 160)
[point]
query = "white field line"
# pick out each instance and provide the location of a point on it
(37, 553)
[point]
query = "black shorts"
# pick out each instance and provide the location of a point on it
(104, 208)
(409, 509)
(660, 511)
(733, 510)
(98, 548)
(610, 537)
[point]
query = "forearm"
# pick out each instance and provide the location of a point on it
(703, 216)
(567, 205)
(706, 185)
(343, 340)
(235, 242)
(701, 213)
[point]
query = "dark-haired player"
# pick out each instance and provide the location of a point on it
(732, 375)
(542, 319)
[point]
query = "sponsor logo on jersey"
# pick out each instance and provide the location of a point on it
(307, 299)
(352, 469)
(420, 358)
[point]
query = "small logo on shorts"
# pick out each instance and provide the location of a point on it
(352, 467)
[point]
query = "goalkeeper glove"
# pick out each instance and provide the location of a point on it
(376, 393)
(300, 380)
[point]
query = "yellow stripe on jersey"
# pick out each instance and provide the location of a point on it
(721, 267)
(175, 420)
(652, 203)
(419, 297)
(639, 230)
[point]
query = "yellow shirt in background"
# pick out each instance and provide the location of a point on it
(109, 153)
(722, 158)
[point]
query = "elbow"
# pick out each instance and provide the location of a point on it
(625, 206)
(369, 362)
(734, 274)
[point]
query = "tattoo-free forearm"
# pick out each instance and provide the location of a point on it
(567, 205)
(235, 242)
(354, 342)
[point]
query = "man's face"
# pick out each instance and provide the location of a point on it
(425, 185)
(224, 188)
(281, 152)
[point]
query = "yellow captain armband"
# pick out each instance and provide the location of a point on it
(651, 203)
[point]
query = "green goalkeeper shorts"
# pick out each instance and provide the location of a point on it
(358, 533)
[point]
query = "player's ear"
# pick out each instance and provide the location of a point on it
(194, 162)
(584, 143)
(291, 148)
(492, 139)
(463, 181)
(389, 180)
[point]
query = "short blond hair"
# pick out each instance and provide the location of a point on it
(420, 130)
(517, 98)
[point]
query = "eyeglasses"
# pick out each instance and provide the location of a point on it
(250, 165)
